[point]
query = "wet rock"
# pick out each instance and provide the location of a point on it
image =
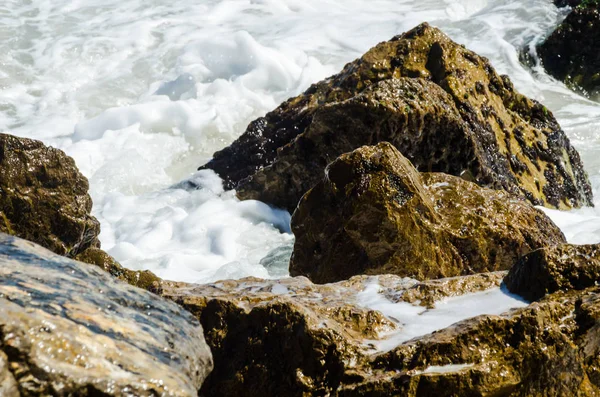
(291, 337)
(572, 52)
(68, 328)
(44, 198)
(564, 3)
(562, 267)
(443, 106)
(373, 213)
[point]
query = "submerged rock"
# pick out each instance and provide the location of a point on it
(68, 328)
(443, 106)
(374, 213)
(293, 338)
(572, 52)
(562, 267)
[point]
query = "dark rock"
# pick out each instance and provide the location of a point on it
(44, 198)
(572, 52)
(442, 106)
(373, 213)
(547, 270)
(70, 329)
(565, 3)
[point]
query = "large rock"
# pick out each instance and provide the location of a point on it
(70, 329)
(293, 338)
(44, 198)
(290, 337)
(562, 267)
(572, 52)
(440, 104)
(373, 213)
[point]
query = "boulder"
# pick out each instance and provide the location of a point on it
(69, 328)
(294, 338)
(572, 52)
(562, 267)
(374, 213)
(44, 198)
(443, 106)
(570, 3)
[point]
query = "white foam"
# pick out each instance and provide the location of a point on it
(141, 92)
(414, 321)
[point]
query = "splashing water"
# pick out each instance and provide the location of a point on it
(140, 93)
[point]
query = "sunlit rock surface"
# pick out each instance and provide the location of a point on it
(70, 329)
(562, 267)
(373, 213)
(443, 106)
(291, 337)
(572, 52)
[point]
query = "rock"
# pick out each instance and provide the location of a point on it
(68, 328)
(44, 198)
(443, 106)
(562, 267)
(373, 213)
(290, 337)
(293, 338)
(572, 52)
(564, 3)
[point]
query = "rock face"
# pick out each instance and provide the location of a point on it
(572, 52)
(68, 328)
(443, 106)
(562, 267)
(373, 213)
(294, 338)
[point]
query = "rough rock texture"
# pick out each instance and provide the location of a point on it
(572, 52)
(70, 329)
(373, 213)
(442, 105)
(290, 337)
(294, 338)
(562, 267)
(44, 198)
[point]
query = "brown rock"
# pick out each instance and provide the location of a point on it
(443, 106)
(70, 329)
(373, 213)
(562, 267)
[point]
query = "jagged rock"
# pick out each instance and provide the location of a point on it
(68, 328)
(291, 337)
(373, 213)
(572, 52)
(44, 198)
(443, 106)
(562, 267)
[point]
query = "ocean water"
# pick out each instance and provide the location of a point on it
(142, 92)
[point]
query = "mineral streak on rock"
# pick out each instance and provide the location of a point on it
(440, 104)
(373, 213)
(70, 329)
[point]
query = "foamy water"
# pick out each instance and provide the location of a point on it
(141, 92)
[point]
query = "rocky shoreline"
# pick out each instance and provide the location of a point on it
(413, 177)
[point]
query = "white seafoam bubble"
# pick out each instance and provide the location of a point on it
(140, 93)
